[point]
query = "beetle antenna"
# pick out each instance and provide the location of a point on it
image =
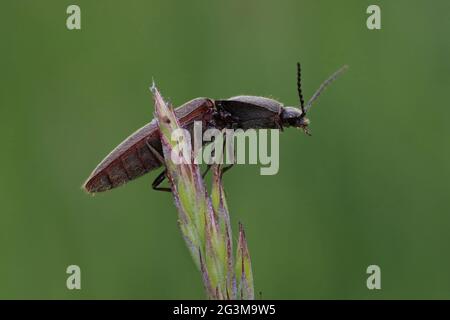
(299, 89)
(324, 85)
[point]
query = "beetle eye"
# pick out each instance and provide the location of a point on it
(292, 122)
(301, 122)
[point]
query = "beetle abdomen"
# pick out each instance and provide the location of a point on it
(128, 161)
(133, 158)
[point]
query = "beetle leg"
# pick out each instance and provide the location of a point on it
(278, 121)
(228, 167)
(208, 166)
(222, 170)
(279, 125)
(206, 170)
(155, 152)
(225, 169)
(162, 176)
(158, 180)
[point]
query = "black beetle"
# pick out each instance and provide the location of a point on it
(140, 152)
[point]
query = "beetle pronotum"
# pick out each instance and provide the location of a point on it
(139, 153)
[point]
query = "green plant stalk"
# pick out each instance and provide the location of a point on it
(204, 220)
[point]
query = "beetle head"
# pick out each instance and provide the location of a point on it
(294, 117)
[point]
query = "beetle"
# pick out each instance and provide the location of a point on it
(141, 151)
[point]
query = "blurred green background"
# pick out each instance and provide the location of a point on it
(371, 186)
